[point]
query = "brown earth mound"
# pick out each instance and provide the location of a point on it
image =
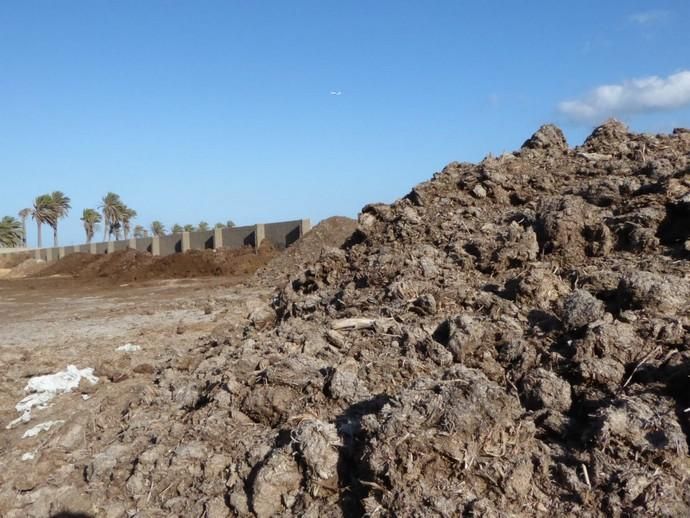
(14, 259)
(72, 264)
(26, 268)
(511, 338)
(131, 265)
(198, 263)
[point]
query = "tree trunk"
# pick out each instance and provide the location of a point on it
(39, 243)
(55, 235)
(24, 232)
(106, 226)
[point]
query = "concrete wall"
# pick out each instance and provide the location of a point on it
(101, 248)
(171, 244)
(281, 235)
(12, 250)
(120, 245)
(144, 244)
(237, 237)
(201, 240)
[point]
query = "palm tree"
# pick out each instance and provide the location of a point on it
(177, 229)
(24, 214)
(61, 206)
(189, 228)
(158, 228)
(42, 212)
(91, 218)
(10, 232)
(127, 216)
(202, 227)
(230, 223)
(140, 232)
(112, 208)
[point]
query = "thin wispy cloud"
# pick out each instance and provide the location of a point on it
(646, 94)
(336, 92)
(648, 17)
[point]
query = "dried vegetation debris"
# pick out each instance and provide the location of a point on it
(512, 338)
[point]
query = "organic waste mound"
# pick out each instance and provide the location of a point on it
(72, 264)
(512, 338)
(131, 265)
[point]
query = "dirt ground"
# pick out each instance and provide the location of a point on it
(509, 338)
(55, 313)
(48, 324)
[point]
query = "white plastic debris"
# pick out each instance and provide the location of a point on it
(43, 389)
(43, 427)
(24, 418)
(129, 348)
(28, 456)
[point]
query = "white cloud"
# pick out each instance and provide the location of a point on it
(646, 94)
(647, 17)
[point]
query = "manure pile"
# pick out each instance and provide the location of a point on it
(131, 265)
(511, 338)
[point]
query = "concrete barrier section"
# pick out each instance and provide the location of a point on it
(101, 248)
(259, 234)
(237, 237)
(156, 245)
(170, 244)
(143, 244)
(201, 240)
(281, 235)
(120, 245)
(218, 237)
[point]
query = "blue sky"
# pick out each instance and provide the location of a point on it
(216, 110)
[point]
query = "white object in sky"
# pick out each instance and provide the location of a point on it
(336, 92)
(43, 389)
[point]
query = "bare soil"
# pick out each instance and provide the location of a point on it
(511, 338)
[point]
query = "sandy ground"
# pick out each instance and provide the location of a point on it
(47, 324)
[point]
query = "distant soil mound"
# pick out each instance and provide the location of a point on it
(200, 263)
(121, 266)
(131, 265)
(329, 233)
(26, 268)
(14, 259)
(72, 264)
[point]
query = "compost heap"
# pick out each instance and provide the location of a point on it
(131, 265)
(509, 339)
